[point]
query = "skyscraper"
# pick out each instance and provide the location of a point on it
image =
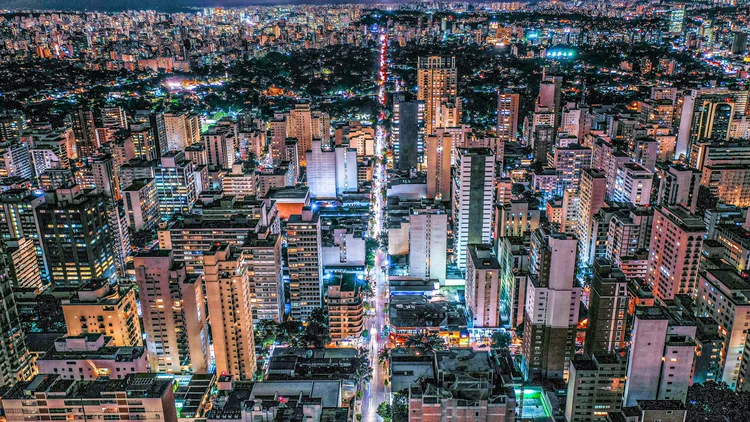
(608, 308)
(304, 261)
(483, 286)
(331, 171)
(660, 361)
(592, 192)
(679, 186)
(507, 116)
(674, 252)
(76, 236)
(15, 358)
(552, 305)
(261, 251)
(439, 166)
(409, 134)
(174, 322)
(707, 114)
(595, 387)
(83, 130)
(428, 237)
(228, 297)
(437, 80)
(473, 197)
(175, 184)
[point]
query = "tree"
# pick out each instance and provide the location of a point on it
(385, 411)
(429, 342)
(315, 333)
(501, 339)
(706, 201)
(371, 248)
(365, 333)
(717, 400)
(384, 355)
(49, 314)
(400, 408)
(266, 331)
(362, 367)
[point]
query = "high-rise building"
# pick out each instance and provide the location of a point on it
(472, 196)
(84, 132)
(723, 296)
(439, 166)
(707, 114)
(304, 261)
(181, 130)
(514, 264)
(633, 185)
(595, 387)
(190, 237)
(299, 125)
(483, 286)
(175, 185)
(76, 236)
(628, 233)
(591, 200)
(428, 243)
(437, 81)
(729, 183)
(331, 171)
(552, 305)
(660, 361)
(14, 355)
(542, 142)
(507, 116)
(174, 322)
(676, 19)
(261, 251)
(608, 308)
(12, 124)
(145, 144)
(679, 186)
(228, 297)
(674, 252)
(97, 307)
(409, 134)
(23, 267)
(515, 219)
(18, 219)
(277, 135)
(569, 162)
(345, 307)
(141, 204)
(15, 160)
(219, 148)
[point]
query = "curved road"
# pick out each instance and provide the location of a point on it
(376, 392)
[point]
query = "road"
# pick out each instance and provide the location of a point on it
(376, 392)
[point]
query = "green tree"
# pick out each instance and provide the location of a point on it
(717, 400)
(400, 406)
(362, 366)
(501, 339)
(371, 249)
(49, 314)
(385, 411)
(429, 342)
(384, 355)
(315, 332)
(706, 201)
(266, 332)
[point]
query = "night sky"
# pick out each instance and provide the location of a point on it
(161, 5)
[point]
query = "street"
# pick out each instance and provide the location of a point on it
(376, 392)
